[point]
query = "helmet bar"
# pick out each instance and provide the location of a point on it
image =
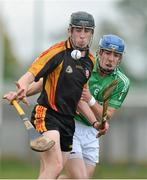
(112, 49)
(81, 26)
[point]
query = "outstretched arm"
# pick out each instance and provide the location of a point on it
(35, 88)
(26, 87)
(25, 81)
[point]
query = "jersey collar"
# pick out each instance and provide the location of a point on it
(68, 44)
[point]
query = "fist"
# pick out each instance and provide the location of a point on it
(103, 128)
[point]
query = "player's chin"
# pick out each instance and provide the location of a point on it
(108, 69)
(82, 45)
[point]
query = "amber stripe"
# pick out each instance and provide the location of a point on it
(40, 118)
(51, 85)
(52, 95)
(68, 44)
(61, 44)
(45, 57)
(92, 58)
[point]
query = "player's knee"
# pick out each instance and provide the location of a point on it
(52, 171)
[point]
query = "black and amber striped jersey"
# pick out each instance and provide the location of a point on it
(63, 77)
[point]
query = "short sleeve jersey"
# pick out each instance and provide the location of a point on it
(97, 84)
(63, 77)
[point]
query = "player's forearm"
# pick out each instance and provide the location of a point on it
(98, 110)
(26, 80)
(84, 109)
(35, 88)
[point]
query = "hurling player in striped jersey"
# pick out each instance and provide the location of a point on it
(85, 152)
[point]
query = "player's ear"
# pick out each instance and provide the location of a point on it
(119, 61)
(99, 52)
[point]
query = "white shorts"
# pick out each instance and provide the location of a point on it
(85, 144)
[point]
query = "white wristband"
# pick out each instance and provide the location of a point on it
(92, 101)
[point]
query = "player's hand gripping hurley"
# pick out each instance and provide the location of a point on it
(38, 142)
(106, 97)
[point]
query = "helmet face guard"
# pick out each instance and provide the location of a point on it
(112, 43)
(82, 20)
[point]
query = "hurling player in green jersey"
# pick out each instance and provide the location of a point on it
(85, 152)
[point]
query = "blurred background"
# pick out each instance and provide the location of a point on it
(28, 27)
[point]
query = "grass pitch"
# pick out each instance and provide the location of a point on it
(18, 169)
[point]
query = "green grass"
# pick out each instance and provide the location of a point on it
(17, 169)
(121, 171)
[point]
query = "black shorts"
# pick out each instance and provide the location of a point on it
(45, 119)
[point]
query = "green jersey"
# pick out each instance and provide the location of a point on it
(98, 83)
